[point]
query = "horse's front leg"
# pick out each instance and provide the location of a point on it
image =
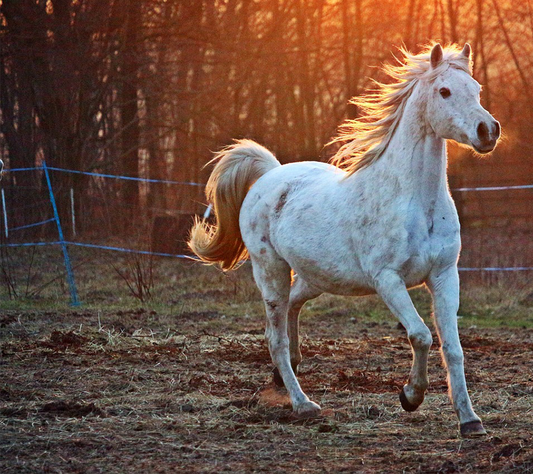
(444, 286)
(393, 291)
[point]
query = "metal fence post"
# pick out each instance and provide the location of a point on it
(70, 274)
(6, 229)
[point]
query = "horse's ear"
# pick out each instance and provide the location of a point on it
(436, 55)
(467, 51)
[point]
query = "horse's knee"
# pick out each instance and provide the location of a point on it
(421, 338)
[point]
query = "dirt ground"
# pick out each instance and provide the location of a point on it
(91, 392)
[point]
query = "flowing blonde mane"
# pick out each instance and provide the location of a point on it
(367, 137)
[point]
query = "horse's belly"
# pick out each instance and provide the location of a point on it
(351, 288)
(329, 275)
(334, 263)
(357, 282)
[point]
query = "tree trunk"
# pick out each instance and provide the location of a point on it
(130, 118)
(479, 51)
(453, 12)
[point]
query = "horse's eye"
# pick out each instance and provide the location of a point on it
(445, 92)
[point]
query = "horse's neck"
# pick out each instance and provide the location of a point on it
(416, 158)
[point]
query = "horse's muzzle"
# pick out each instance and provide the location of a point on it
(487, 136)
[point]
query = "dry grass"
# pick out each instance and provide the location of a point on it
(183, 383)
(124, 392)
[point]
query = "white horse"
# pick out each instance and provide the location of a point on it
(381, 221)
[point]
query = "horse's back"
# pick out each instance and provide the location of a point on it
(293, 212)
(297, 183)
(292, 174)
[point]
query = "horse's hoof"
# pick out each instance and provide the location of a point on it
(472, 429)
(307, 409)
(406, 404)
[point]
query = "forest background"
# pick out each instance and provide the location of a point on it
(148, 88)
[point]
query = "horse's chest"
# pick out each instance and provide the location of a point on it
(428, 249)
(416, 267)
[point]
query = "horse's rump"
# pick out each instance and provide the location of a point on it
(237, 168)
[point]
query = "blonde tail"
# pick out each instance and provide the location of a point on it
(238, 167)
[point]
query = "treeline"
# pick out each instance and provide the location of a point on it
(149, 87)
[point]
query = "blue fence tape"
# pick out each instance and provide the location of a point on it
(495, 188)
(142, 252)
(31, 244)
(12, 170)
(160, 254)
(129, 178)
(190, 183)
(32, 225)
(103, 247)
(188, 257)
(104, 175)
(495, 269)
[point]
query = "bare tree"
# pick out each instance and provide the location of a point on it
(150, 87)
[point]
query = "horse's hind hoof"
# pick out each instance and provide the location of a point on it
(406, 404)
(472, 429)
(308, 409)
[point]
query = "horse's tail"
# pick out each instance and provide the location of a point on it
(237, 168)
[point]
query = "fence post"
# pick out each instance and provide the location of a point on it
(6, 230)
(70, 274)
(73, 212)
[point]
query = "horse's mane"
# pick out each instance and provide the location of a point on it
(367, 137)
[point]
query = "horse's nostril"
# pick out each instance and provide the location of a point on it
(482, 132)
(497, 129)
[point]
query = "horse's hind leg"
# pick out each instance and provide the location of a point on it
(272, 276)
(300, 293)
(393, 291)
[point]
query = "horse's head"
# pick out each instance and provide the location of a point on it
(453, 106)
